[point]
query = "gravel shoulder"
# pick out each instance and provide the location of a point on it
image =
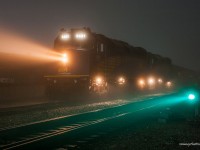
(16, 116)
(181, 134)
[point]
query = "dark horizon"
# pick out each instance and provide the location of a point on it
(168, 28)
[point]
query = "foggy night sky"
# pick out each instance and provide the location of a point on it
(170, 28)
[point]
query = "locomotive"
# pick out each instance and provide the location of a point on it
(91, 65)
(95, 64)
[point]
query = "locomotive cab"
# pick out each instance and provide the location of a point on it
(71, 76)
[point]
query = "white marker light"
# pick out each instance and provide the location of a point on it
(65, 36)
(80, 36)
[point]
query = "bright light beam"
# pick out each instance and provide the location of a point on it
(18, 48)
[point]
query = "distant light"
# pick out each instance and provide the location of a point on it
(141, 83)
(151, 81)
(80, 36)
(65, 36)
(191, 96)
(121, 80)
(168, 84)
(160, 80)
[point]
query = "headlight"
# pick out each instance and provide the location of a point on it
(80, 36)
(98, 81)
(64, 58)
(65, 36)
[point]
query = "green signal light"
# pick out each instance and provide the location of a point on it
(191, 97)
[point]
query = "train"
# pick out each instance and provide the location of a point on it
(97, 65)
(90, 65)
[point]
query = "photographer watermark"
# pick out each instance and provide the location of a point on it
(189, 144)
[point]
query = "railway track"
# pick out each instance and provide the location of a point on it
(67, 130)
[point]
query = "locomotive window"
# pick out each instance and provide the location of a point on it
(152, 61)
(102, 48)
